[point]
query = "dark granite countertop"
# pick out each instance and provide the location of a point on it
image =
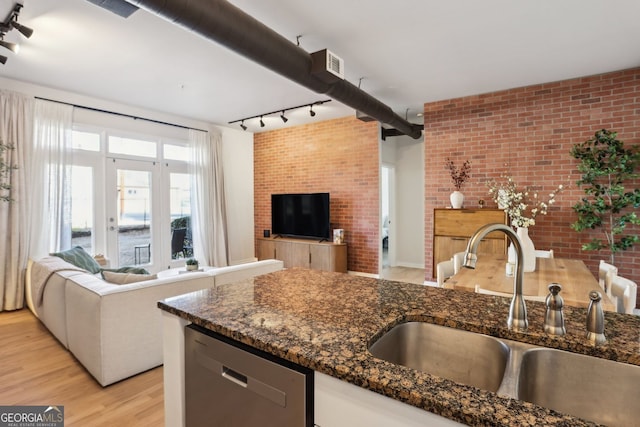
(326, 321)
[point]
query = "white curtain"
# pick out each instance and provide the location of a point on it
(51, 189)
(208, 212)
(16, 129)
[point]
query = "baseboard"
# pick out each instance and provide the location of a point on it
(357, 273)
(409, 265)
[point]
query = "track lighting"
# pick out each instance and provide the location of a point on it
(10, 23)
(24, 30)
(281, 111)
(11, 46)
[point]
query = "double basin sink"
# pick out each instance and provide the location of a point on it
(591, 388)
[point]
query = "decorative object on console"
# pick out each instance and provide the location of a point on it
(338, 236)
(191, 264)
(459, 176)
(522, 206)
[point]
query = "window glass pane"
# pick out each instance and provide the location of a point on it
(176, 152)
(82, 207)
(180, 211)
(134, 217)
(132, 147)
(85, 141)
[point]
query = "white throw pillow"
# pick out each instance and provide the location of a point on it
(125, 278)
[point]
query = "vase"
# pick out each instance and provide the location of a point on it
(192, 267)
(528, 249)
(456, 199)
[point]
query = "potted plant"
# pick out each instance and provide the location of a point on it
(606, 166)
(192, 264)
(458, 176)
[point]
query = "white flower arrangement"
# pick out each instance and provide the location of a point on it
(522, 205)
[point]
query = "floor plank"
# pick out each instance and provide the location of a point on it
(35, 369)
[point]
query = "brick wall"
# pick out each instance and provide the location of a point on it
(528, 132)
(337, 156)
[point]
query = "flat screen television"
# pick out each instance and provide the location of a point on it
(301, 215)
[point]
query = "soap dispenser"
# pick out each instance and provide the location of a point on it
(553, 318)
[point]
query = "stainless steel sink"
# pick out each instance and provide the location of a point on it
(595, 389)
(465, 357)
(587, 387)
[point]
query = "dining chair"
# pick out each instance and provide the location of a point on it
(458, 260)
(544, 254)
(444, 270)
(177, 242)
(606, 273)
(625, 292)
(480, 290)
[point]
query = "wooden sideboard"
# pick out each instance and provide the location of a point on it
(326, 256)
(452, 229)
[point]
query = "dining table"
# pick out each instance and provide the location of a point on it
(572, 274)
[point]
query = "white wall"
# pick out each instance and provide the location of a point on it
(407, 156)
(237, 153)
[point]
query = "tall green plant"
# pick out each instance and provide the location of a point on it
(606, 166)
(5, 172)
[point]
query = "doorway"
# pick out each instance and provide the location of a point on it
(132, 187)
(402, 210)
(387, 205)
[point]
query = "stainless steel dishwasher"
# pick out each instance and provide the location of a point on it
(229, 384)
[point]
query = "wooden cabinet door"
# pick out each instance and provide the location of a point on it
(266, 249)
(298, 254)
(320, 257)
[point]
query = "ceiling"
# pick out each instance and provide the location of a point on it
(407, 52)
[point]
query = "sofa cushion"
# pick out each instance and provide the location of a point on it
(80, 258)
(125, 278)
(134, 270)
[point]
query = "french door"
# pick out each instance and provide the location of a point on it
(133, 213)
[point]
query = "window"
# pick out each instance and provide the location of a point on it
(176, 152)
(128, 195)
(132, 147)
(88, 141)
(82, 207)
(180, 211)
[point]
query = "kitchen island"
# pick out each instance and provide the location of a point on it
(326, 322)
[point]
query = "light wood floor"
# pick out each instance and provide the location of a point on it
(35, 369)
(403, 274)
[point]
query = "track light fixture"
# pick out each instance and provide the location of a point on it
(10, 23)
(24, 30)
(282, 116)
(11, 46)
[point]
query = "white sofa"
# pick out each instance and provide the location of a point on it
(115, 331)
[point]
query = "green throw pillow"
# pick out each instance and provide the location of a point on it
(80, 258)
(132, 270)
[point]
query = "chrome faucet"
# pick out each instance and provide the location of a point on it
(517, 319)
